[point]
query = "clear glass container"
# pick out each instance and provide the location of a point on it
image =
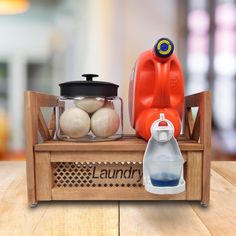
(81, 117)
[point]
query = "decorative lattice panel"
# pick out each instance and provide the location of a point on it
(116, 174)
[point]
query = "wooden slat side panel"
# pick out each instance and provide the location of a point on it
(33, 101)
(44, 100)
(194, 99)
(203, 101)
(194, 175)
(205, 138)
(43, 172)
(31, 138)
(110, 193)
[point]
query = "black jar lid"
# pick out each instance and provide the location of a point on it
(88, 87)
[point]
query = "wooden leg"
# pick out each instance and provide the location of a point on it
(33, 205)
(205, 138)
(206, 178)
(43, 176)
(204, 205)
(31, 137)
(31, 181)
(205, 202)
(194, 175)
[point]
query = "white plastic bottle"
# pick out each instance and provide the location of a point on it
(163, 161)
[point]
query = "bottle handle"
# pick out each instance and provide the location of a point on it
(161, 97)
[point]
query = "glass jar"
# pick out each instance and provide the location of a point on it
(89, 111)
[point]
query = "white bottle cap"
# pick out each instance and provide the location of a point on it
(162, 130)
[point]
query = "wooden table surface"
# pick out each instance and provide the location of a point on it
(113, 218)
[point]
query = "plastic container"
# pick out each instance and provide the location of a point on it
(156, 86)
(89, 111)
(166, 171)
(163, 161)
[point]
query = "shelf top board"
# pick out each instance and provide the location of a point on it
(127, 143)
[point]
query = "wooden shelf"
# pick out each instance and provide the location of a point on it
(111, 193)
(111, 170)
(127, 143)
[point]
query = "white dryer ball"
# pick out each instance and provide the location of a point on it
(89, 105)
(75, 122)
(109, 104)
(105, 122)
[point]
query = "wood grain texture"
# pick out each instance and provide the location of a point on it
(33, 102)
(220, 216)
(194, 99)
(126, 148)
(192, 171)
(43, 172)
(219, 184)
(9, 172)
(93, 156)
(52, 123)
(194, 175)
(227, 169)
(54, 218)
(43, 129)
(110, 193)
(196, 128)
(16, 218)
(203, 129)
(125, 144)
(103, 218)
(205, 139)
(81, 218)
(160, 218)
(31, 138)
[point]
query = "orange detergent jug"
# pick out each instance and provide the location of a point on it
(156, 86)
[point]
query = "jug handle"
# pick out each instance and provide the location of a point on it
(161, 97)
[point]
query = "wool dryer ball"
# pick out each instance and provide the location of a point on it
(109, 104)
(75, 122)
(90, 105)
(105, 122)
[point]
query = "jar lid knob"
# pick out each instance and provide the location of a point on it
(89, 77)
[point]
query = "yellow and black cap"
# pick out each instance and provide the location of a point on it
(164, 48)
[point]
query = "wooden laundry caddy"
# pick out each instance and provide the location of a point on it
(58, 170)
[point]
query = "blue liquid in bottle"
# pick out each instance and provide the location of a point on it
(165, 180)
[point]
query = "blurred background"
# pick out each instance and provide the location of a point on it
(45, 42)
